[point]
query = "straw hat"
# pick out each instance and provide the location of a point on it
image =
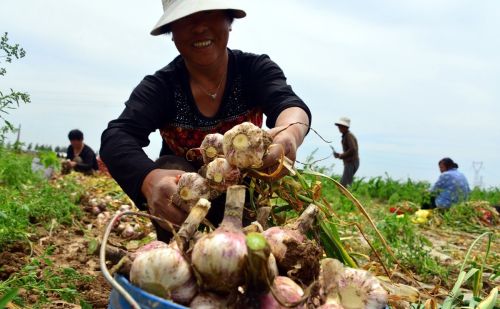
(177, 9)
(343, 121)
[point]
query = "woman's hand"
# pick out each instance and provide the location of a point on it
(284, 143)
(289, 132)
(159, 187)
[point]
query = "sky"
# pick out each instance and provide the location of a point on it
(420, 79)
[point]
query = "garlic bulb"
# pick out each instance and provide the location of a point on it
(349, 288)
(192, 187)
(221, 174)
(211, 147)
(245, 144)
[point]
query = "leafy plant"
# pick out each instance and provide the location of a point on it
(410, 247)
(7, 297)
(15, 169)
(49, 159)
(27, 200)
(455, 296)
(10, 100)
(42, 277)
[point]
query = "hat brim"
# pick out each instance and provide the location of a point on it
(180, 9)
(341, 124)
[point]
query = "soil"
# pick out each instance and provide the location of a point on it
(309, 253)
(75, 246)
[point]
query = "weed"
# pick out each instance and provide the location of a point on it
(409, 246)
(26, 200)
(41, 277)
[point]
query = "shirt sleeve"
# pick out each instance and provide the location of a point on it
(124, 138)
(271, 91)
(69, 153)
(88, 160)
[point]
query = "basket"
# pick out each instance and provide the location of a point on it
(144, 299)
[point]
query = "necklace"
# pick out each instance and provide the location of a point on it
(213, 95)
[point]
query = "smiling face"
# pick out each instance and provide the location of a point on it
(201, 38)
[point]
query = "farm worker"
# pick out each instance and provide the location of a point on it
(208, 88)
(350, 155)
(451, 187)
(80, 157)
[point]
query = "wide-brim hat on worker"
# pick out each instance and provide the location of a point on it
(177, 9)
(343, 121)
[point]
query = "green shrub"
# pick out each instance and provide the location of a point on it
(27, 200)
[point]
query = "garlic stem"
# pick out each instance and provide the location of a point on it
(235, 201)
(306, 219)
(193, 220)
(258, 275)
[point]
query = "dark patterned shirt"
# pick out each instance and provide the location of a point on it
(255, 86)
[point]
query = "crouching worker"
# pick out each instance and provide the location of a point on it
(79, 156)
(207, 89)
(451, 187)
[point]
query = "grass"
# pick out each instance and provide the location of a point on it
(411, 249)
(28, 202)
(41, 278)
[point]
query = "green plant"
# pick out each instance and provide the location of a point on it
(14, 98)
(15, 169)
(492, 195)
(455, 296)
(410, 247)
(7, 297)
(462, 217)
(26, 200)
(42, 277)
(49, 159)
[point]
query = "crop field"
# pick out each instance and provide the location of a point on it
(51, 230)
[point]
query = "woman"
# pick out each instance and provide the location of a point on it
(451, 187)
(208, 88)
(80, 157)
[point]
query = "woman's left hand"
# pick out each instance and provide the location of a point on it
(284, 145)
(289, 132)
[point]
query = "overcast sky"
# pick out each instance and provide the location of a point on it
(420, 79)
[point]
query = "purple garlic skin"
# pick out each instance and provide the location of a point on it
(287, 290)
(220, 257)
(148, 247)
(221, 174)
(192, 187)
(349, 288)
(163, 271)
(221, 254)
(206, 300)
(276, 236)
(211, 147)
(358, 288)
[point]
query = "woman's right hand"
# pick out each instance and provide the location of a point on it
(159, 188)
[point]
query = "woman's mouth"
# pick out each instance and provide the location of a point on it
(201, 44)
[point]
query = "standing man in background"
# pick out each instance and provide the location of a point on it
(350, 155)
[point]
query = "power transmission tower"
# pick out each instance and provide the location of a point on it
(478, 178)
